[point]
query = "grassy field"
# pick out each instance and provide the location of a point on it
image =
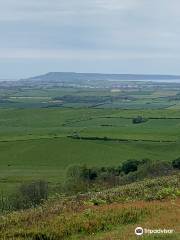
(132, 95)
(34, 142)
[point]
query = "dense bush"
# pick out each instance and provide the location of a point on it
(83, 178)
(130, 166)
(176, 163)
(147, 169)
(138, 119)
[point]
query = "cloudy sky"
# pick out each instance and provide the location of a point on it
(113, 36)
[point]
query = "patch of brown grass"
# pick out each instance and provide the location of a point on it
(164, 214)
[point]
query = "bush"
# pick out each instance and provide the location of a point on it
(130, 166)
(83, 179)
(165, 193)
(82, 173)
(154, 169)
(89, 174)
(30, 194)
(74, 172)
(146, 169)
(176, 163)
(35, 192)
(138, 119)
(73, 186)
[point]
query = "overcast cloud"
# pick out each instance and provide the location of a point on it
(121, 36)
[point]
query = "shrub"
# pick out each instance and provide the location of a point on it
(146, 169)
(130, 166)
(95, 202)
(30, 194)
(73, 186)
(5, 204)
(166, 192)
(82, 173)
(83, 179)
(176, 163)
(89, 174)
(154, 169)
(138, 119)
(74, 172)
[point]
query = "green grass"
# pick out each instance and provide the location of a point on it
(48, 159)
(34, 143)
(153, 129)
(35, 123)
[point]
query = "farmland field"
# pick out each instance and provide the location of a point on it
(45, 129)
(47, 132)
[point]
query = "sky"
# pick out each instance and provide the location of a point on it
(105, 36)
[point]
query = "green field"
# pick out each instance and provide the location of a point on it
(44, 129)
(34, 143)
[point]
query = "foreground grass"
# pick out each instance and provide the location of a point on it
(111, 214)
(163, 215)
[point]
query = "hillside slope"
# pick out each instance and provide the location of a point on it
(111, 214)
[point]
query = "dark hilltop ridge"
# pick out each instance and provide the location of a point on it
(70, 76)
(89, 80)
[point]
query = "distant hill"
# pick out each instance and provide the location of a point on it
(73, 76)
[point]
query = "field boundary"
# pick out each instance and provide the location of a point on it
(120, 139)
(109, 117)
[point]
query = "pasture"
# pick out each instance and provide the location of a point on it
(34, 143)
